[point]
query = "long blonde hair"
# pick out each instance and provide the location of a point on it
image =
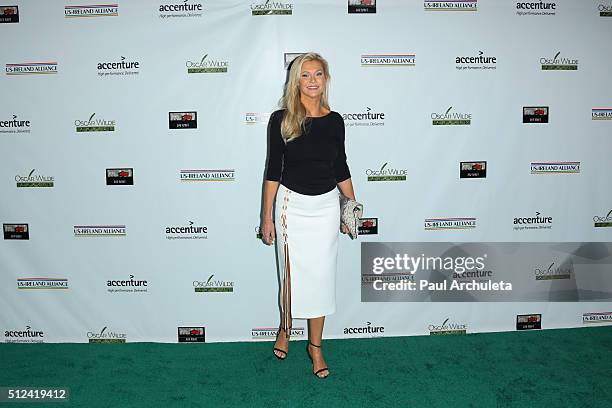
(293, 124)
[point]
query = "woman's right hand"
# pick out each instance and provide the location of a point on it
(267, 232)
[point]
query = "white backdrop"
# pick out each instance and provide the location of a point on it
(232, 109)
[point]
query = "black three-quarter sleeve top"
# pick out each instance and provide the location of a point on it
(313, 163)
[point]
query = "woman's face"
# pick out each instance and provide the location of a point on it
(312, 79)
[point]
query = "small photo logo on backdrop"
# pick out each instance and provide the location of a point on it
(24, 336)
(187, 232)
(106, 336)
(31, 68)
(528, 322)
(473, 169)
(388, 60)
(432, 224)
(32, 180)
(178, 10)
(120, 177)
(479, 61)
(120, 68)
(100, 231)
(265, 333)
(451, 118)
(557, 63)
(9, 14)
(362, 6)
(535, 114)
(367, 329)
(367, 118)
(447, 328)
(271, 8)
(452, 5)
(207, 65)
(191, 335)
(94, 125)
(207, 175)
(213, 285)
(555, 167)
(532, 223)
(605, 10)
(604, 317)
(101, 10)
(367, 226)
(601, 113)
(42, 283)
(552, 272)
(16, 231)
(252, 118)
(536, 8)
(288, 57)
(127, 286)
(14, 125)
(598, 221)
(387, 174)
(183, 120)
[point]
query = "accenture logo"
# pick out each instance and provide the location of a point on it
(367, 118)
(367, 329)
(14, 125)
(118, 68)
(536, 8)
(532, 223)
(178, 10)
(479, 61)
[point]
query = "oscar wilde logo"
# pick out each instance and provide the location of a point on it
(24, 336)
(207, 66)
(367, 118)
(185, 9)
(605, 221)
(453, 5)
(32, 180)
(555, 167)
(476, 62)
(130, 285)
(447, 328)
(31, 68)
(605, 10)
(451, 118)
(14, 125)
(16, 231)
(116, 177)
(362, 6)
(553, 272)
(449, 223)
(532, 223)
(367, 329)
(596, 114)
(558, 64)
(385, 174)
(94, 125)
(207, 175)
(101, 10)
(191, 335)
(537, 8)
(99, 231)
(473, 169)
(42, 283)
(535, 114)
(187, 232)
(388, 60)
(9, 14)
(120, 68)
(270, 8)
(528, 322)
(106, 336)
(213, 285)
(183, 120)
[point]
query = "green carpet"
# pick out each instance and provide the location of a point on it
(549, 368)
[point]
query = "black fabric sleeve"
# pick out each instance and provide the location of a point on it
(276, 148)
(341, 169)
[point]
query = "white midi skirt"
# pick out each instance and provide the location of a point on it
(307, 230)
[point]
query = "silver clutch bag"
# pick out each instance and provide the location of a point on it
(350, 212)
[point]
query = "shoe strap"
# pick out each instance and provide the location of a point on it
(314, 345)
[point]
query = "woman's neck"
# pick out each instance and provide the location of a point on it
(313, 107)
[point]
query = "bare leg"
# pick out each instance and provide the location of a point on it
(315, 335)
(282, 341)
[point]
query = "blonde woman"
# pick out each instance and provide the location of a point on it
(306, 162)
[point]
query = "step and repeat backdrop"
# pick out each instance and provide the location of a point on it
(133, 140)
